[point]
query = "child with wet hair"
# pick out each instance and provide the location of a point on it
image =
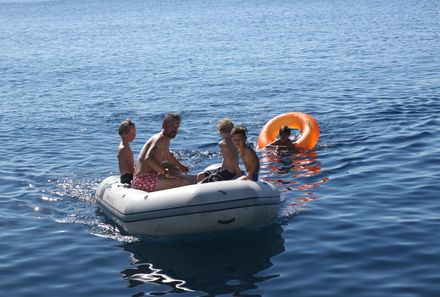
(247, 153)
(229, 169)
(127, 132)
(284, 141)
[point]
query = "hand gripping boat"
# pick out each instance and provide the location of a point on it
(190, 209)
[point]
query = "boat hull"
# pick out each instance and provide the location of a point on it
(191, 209)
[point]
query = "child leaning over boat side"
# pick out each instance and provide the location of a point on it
(127, 131)
(247, 153)
(229, 169)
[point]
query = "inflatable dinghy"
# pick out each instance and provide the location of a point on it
(191, 209)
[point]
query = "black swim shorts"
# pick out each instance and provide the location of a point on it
(126, 178)
(217, 175)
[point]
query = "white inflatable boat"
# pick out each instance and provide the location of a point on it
(190, 209)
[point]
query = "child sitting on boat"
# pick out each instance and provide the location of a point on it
(247, 153)
(229, 169)
(127, 131)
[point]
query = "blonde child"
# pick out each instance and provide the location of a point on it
(127, 131)
(229, 169)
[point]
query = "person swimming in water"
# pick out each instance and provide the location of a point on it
(284, 141)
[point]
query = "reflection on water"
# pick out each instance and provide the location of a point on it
(295, 174)
(225, 263)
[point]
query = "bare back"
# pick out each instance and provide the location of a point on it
(125, 159)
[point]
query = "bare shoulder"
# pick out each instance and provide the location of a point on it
(250, 150)
(146, 147)
(160, 140)
(227, 147)
(122, 149)
(157, 143)
(153, 140)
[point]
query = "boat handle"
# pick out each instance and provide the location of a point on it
(224, 222)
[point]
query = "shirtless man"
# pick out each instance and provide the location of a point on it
(152, 169)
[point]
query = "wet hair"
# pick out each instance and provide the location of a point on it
(239, 130)
(171, 116)
(285, 130)
(225, 125)
(125, 126)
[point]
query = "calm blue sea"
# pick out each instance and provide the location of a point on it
(362, 211)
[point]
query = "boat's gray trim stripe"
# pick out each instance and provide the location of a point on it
(190, 213)
(121, 216)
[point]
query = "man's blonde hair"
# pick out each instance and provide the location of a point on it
(225, 125)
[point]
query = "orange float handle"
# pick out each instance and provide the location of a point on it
(295, 120)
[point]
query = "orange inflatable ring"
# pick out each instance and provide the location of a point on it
(295, 120)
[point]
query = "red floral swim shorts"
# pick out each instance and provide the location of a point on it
(145, 182)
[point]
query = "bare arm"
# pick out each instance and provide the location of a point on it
(252, 163)
(238, 171)
(279, 143)
(275, 142)
(172, 159)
